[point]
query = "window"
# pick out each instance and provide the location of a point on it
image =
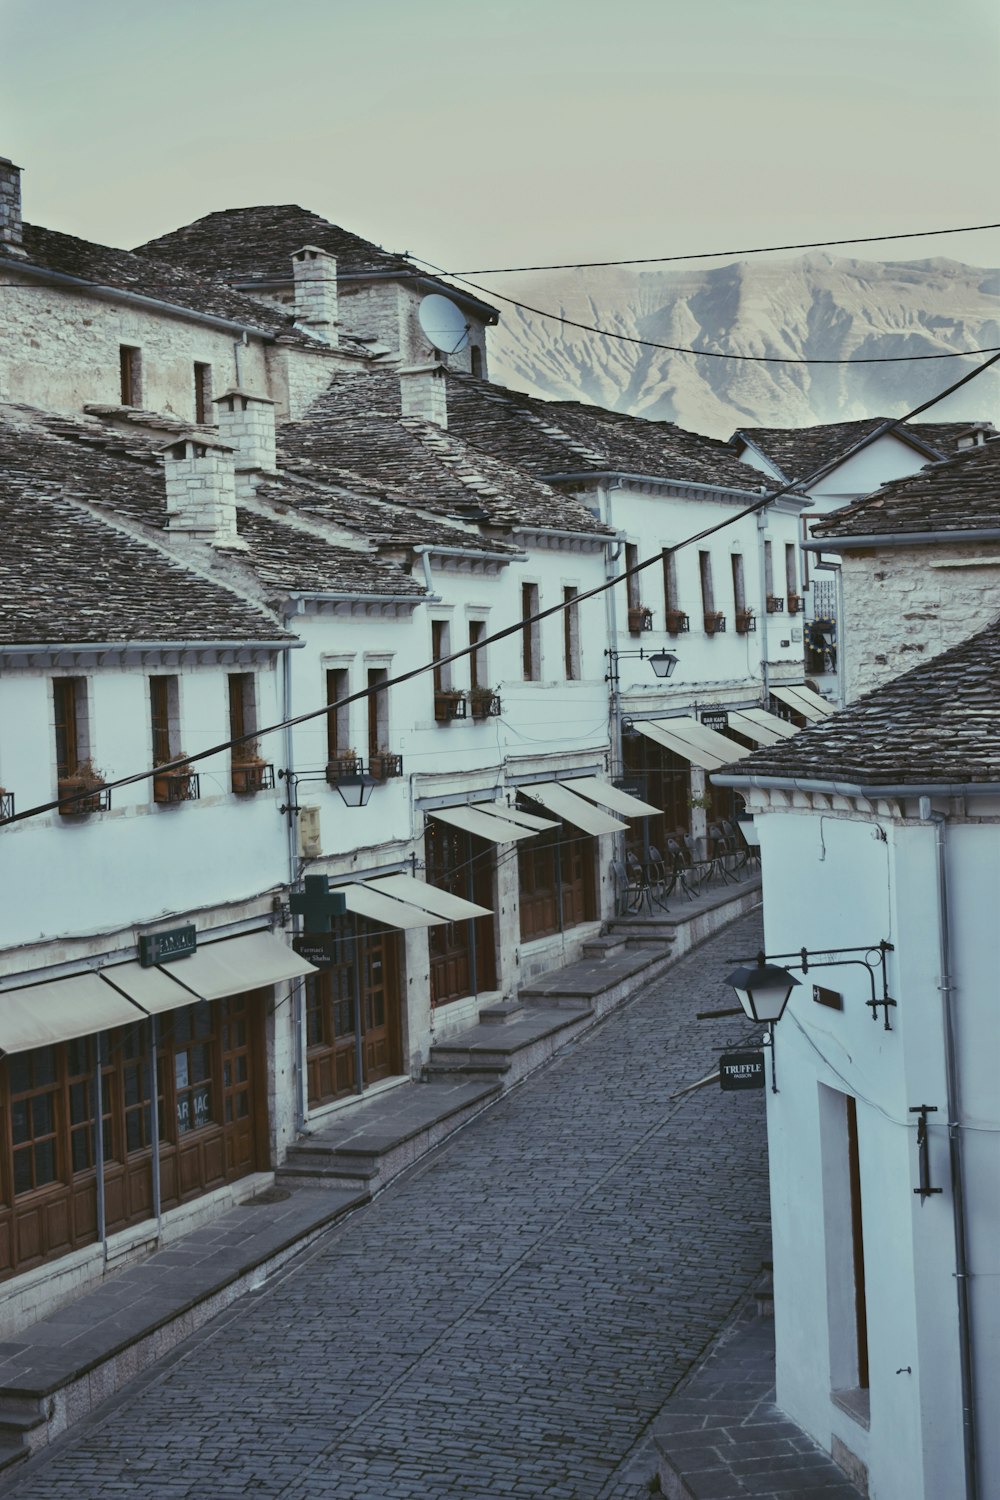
(202, 392)
(847, 1302)
(707, 592)
(857, 1242)
(131, 375)
(70, 698)
(338, 733)
(791, 574)
(440, 648)
(477, 362)
(670, 596)
(378, 710)
(477, 657)
(571, 634)
(768, 571)
(739, 588)
(632, 582)
(163, 714)
(530, 652)
(249, 773)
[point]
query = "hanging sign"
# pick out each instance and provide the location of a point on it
(715, 718)
(741, 1070)
(319, 948)
(164, 947)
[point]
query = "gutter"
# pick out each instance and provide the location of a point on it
(427, 549)
(856, 789)
(901, 539)
(576, 475)
(329, 596)
(51, 648)
(116, 294)
(575, 536)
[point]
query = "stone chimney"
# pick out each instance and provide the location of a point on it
(315, 273)
(424, 393)
(201, 490)
(10, 207)
(246, 424)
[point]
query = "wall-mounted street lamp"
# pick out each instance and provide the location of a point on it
(662, 662)
(355, 789)
(765, 984)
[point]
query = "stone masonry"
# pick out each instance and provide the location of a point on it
(315, 273)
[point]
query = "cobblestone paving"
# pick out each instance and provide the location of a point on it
(504, 1321)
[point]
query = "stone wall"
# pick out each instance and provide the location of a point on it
(905, 605)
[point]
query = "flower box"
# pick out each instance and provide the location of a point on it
(639, 619)
(346, 767)
(85, 792)
(676, 622)
(251, 776)
(384, 767)
(775, 604)
(448, 706)
(714, 624)
(180, 784)
(746, 622)
(794, 604)
(6, 805)
(484, 703)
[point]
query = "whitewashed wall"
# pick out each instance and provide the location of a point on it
(831, 879)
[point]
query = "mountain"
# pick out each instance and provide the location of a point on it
(817, 306)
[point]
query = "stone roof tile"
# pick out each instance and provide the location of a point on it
(958, 494)
(800, 452)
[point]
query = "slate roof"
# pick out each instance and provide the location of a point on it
(936, 725)
(122, 474)
(248, 245)
(355, 430)
(958, 494)
(800, 452)
(556, 437)
(67, 575)
(104, 266)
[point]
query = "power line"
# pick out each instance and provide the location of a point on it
(499, 635)
(753, 359)
(656, 260)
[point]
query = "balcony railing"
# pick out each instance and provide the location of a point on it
(251, 776)
(794, 604)
(346, 767)
(746, 622)
(384, 767)
(775, 604)
(6, 805)
(640, 618)
(448, 706)
(484, 703)
(83, 797)
(676, 622)
(715, 624)
(179, 785)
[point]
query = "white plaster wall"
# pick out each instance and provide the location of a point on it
(152, 861)
(905, 605)
(832, 880)
(885, 459)
(60, 351)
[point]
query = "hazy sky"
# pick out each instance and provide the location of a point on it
(489, 132)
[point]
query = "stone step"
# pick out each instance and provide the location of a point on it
(12, 1453)
(602, 947)
(501, 1013)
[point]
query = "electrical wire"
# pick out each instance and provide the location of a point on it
(753, 359)
(656, 260)
(508, 630)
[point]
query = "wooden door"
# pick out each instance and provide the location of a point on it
(462, 954)
(365, 980)
(379, 988)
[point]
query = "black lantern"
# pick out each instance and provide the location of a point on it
(356, 790)
(663, 663)
(762, 990)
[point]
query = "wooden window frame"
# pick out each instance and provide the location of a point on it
(571, 633)
(531, 665)
(202, 393)
(130, 371)
(338, 720)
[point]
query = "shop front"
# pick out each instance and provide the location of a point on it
(64, 1184)
(353, 1012)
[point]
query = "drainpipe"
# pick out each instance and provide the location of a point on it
(612, 553)
(970, 1449)
(298, 1027)
(762, 612)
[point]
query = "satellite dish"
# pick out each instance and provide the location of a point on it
(443, 323)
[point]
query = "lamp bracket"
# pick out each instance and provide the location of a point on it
(923, 1152)
(874, 959)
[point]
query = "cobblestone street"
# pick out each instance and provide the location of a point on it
(506, 1319)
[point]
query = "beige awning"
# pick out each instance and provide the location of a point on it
(760, 726)
(606, 795)
(483, 822)
(155, 990)
(427, 897)
(526, 819)
(571, 808)
(365, 901)
(236, 964)
(40, 1014)
(684, 736)
(809, 704)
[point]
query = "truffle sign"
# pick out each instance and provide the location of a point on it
(741, 1070)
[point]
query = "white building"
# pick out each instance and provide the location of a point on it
(884, 824)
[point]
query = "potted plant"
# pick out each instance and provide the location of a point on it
(746, 622)
(714, 622)
(794, 603)
(775, 604)
(383, 765)
(250, 770)
(676, 622)
(175, 784)
(448, 705)
(85, 789)
(640, 618)
(484, 703)
(346, 765)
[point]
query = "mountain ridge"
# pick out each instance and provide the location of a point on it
(817, 306)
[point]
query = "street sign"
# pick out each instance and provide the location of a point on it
(317, 903)
(715, 718)
(741, 1070)
(164, 947)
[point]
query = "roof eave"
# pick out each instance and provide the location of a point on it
(901, 539)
